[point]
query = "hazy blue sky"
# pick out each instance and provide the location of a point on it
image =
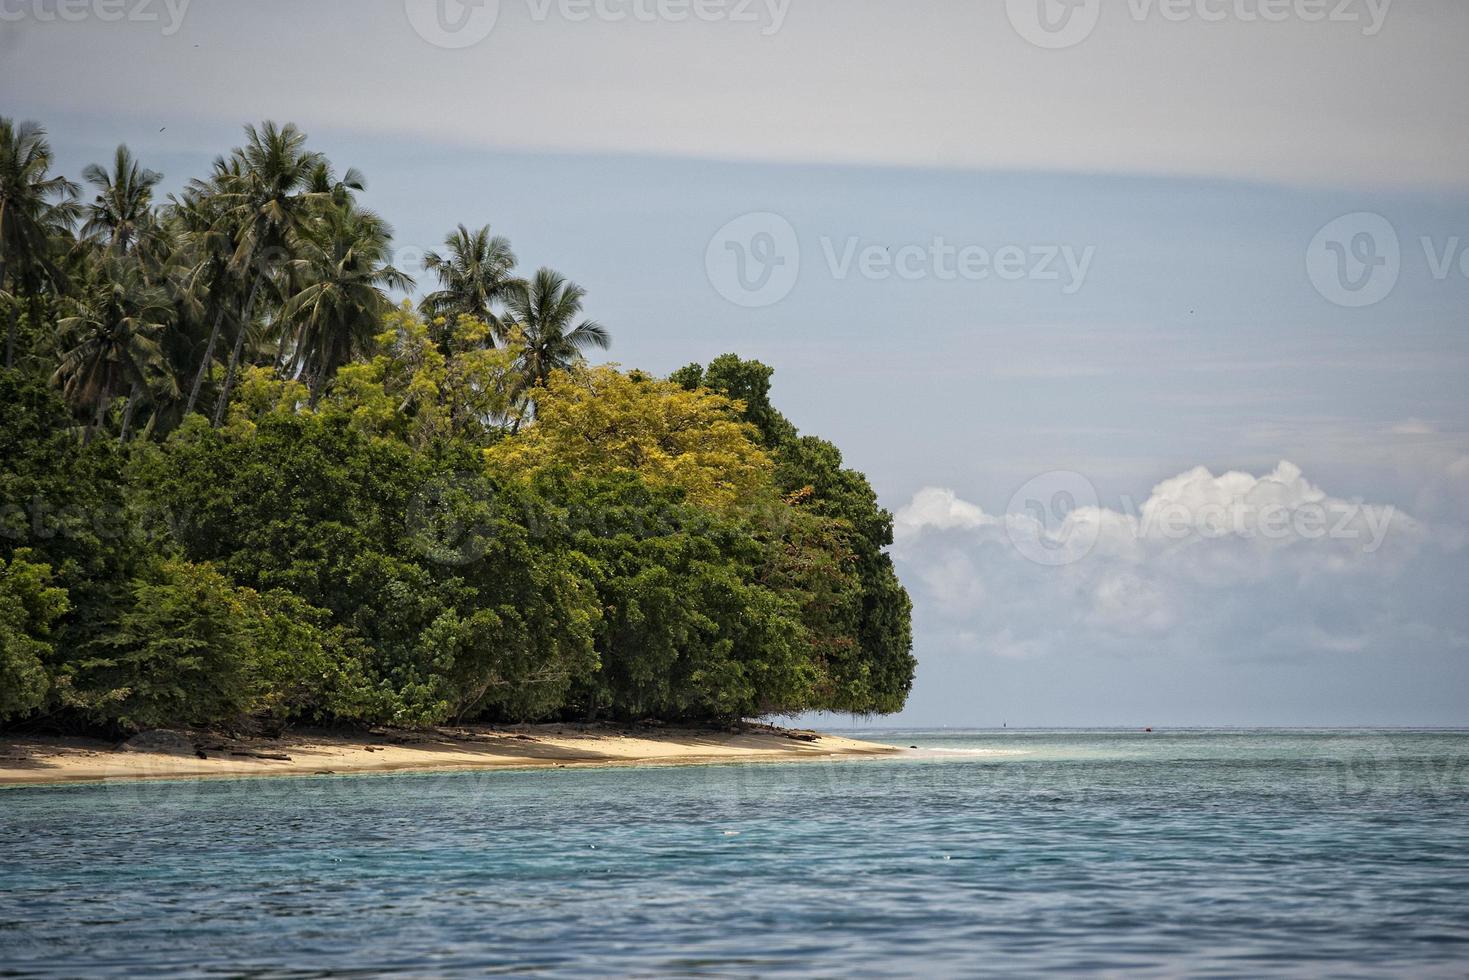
(989, 265)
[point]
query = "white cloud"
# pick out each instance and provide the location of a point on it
(936, 508)
(1280, 508)
(1231, 565)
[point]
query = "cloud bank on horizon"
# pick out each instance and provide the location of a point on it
(1250, 567)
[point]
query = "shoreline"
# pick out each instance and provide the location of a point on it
(40, 760)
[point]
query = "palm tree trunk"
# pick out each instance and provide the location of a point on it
(520, 414)
(14, 315)
(223, 398)
(287, 360)
(127, 412)
(96, 425)
(204, 366)
(229, 374)
(318, 382)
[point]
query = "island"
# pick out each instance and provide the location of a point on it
(254, 477)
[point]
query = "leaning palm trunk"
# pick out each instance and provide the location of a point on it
(127, 411)
(524, 406)
(12, 316)
(97, 419)
(318, 385)
(204, 366)
(229, 375)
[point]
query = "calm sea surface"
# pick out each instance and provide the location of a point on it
(1217, 853)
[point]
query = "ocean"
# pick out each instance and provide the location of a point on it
(1226, 853)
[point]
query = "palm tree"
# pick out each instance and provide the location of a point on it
(475, 273)
(543, 312)
(268, 199)
(323, 181)
(124, 202)
(206, 246)
(343, 261)
(327, 194)
(110, 342)
(35, 210)
(178, 254)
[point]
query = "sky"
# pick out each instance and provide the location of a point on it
(1148, 319)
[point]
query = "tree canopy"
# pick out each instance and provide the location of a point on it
(243, 479)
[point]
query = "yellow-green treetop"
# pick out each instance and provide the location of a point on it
(600, 421)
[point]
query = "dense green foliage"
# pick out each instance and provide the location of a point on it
(29, 608)
(857, 609)
(237, 481)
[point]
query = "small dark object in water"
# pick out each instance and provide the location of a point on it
(912, 746)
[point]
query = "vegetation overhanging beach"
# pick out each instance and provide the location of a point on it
(245, 487)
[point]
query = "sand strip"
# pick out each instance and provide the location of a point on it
(39, 760)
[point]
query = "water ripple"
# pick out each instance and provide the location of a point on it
(1215, 854)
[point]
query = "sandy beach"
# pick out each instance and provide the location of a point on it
(39, 760)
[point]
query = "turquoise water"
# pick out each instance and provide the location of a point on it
(1217, 853)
